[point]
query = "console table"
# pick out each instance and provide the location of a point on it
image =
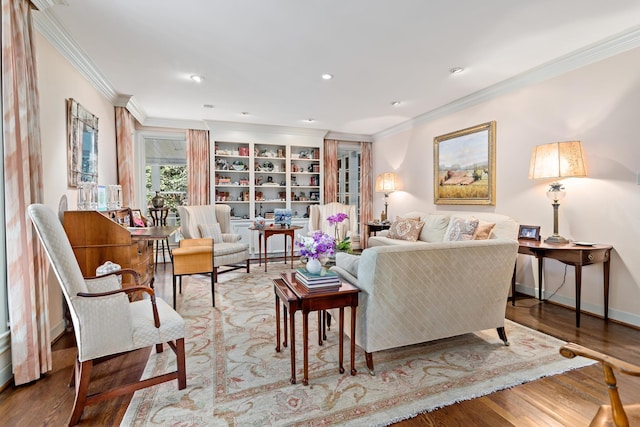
(570, 254)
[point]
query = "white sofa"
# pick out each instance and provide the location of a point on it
(413, 292)
(436, 225)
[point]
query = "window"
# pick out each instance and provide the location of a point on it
(166, 172)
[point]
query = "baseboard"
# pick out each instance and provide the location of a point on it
(6, 369)
(57, 330)
(598, 310)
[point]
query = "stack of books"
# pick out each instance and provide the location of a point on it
(327, 281)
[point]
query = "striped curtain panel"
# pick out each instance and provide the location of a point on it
(330, 171)
(198, 175)
(125, 153)
(26, 265)
(366, 190)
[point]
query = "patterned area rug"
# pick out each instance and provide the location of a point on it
(235, 376)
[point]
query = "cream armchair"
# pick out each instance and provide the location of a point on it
(104, 321)
(318, 215)
(207, 229)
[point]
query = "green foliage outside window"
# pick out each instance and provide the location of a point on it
(173, 185)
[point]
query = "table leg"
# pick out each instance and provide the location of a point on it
(341, 332)
(285, 327)
(578, 293)
(293, 346)
(305, 346)
(265, 252)
(259, 248)
(278, 324)
(319, 327)
(285, 249)
(606, 266)
(353, 340)
(540, 269)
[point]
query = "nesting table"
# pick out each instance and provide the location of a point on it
(296, 297)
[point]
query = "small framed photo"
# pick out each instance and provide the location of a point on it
(529, 232)
(136, 218)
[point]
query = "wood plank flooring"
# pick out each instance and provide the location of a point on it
(570, 399)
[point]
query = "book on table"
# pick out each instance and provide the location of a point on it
(327, 280)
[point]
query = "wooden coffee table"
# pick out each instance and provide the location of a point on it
(346, 296)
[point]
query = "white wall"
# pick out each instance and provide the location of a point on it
(57, 81)
(597, 105)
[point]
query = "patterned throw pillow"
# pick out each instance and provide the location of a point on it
(461, 229)
(405, 229)
(483, 231)
(211, 231)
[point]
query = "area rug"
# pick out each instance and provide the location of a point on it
(235, 376)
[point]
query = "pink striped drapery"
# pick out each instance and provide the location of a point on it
(330, 171)
(366, 190)
(198, 178)
(125, 154)
(26, 265)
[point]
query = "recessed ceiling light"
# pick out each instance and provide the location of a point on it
(208, 106)
(245, 113)
(456, 70)
(327, 76)
(310, 120)
(395, 103)
(196, 78)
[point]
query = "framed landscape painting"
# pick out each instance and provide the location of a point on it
(464, 164)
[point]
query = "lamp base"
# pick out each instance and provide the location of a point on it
(556, 239)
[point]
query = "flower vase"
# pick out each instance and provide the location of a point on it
(313, 266)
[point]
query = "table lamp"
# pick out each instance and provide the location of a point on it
(556, 161)
(386, 183)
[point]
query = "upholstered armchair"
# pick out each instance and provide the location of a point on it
(105, 322)
(318, 215)
(207, 230)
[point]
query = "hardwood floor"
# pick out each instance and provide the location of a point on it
(570, 399)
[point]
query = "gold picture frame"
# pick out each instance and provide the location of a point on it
(464, 164)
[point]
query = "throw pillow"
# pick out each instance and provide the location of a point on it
(461, 229)
(348, 262)
(435, 227)
(211, 231)
(483, 231)
(405, 229)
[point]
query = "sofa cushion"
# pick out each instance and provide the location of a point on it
(211, 231)
(405, 229)
(461, 229)
(483, 231)
(435, 226)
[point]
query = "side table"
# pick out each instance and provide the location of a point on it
(374, 227)
(270, 231)
(570, 254)
(346, 296)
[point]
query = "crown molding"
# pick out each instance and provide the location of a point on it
(48, 25)
(265, 129)
(175, 123)
(595, 52)
(354, 137)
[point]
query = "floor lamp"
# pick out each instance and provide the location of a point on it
(386, 183)
(556, 161)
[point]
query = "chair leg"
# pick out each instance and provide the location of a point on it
(503, 335)
(174, 291)
(248, 264)
(215, 274)
(213, 295)
(159, 348)
(83, 372)
(181, 364)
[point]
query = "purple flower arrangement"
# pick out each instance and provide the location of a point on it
(315, 246)
(337, 218)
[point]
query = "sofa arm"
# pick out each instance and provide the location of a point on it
(345, 275)
(231, 237)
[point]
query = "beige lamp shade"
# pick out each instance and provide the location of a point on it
(557, 160)
(386, 182)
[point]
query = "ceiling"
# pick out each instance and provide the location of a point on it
(265, 58)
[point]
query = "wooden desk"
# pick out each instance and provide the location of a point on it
(346, 296)
(570, 254)
(270, 231)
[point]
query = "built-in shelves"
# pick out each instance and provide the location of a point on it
(257, 178)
